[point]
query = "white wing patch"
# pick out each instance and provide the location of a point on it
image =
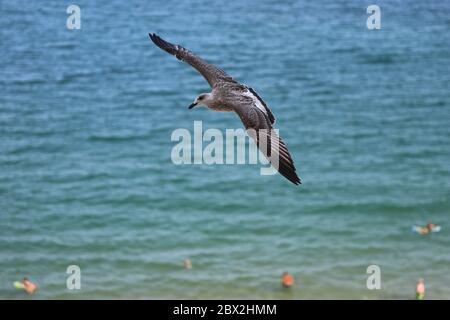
(256, 101)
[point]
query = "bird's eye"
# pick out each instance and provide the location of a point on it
(200, 98)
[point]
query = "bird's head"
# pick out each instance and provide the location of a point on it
(201, 99)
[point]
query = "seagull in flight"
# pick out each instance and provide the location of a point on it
(228, 95)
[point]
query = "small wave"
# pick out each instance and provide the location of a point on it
(118, 138)
(377, 59)
(25, 81)
(118, 70)
(68, 78)
(62, 45)
(32, 148)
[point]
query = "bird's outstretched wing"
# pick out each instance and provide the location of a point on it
(261, 131)
(210, 72)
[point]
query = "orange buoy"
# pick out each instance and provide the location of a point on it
(287, 280)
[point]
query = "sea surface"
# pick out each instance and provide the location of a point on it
(86, 177)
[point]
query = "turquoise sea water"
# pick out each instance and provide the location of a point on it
(86, 177)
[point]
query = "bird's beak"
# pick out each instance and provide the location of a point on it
(192, 105)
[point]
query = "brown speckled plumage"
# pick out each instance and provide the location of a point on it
(229, 95)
